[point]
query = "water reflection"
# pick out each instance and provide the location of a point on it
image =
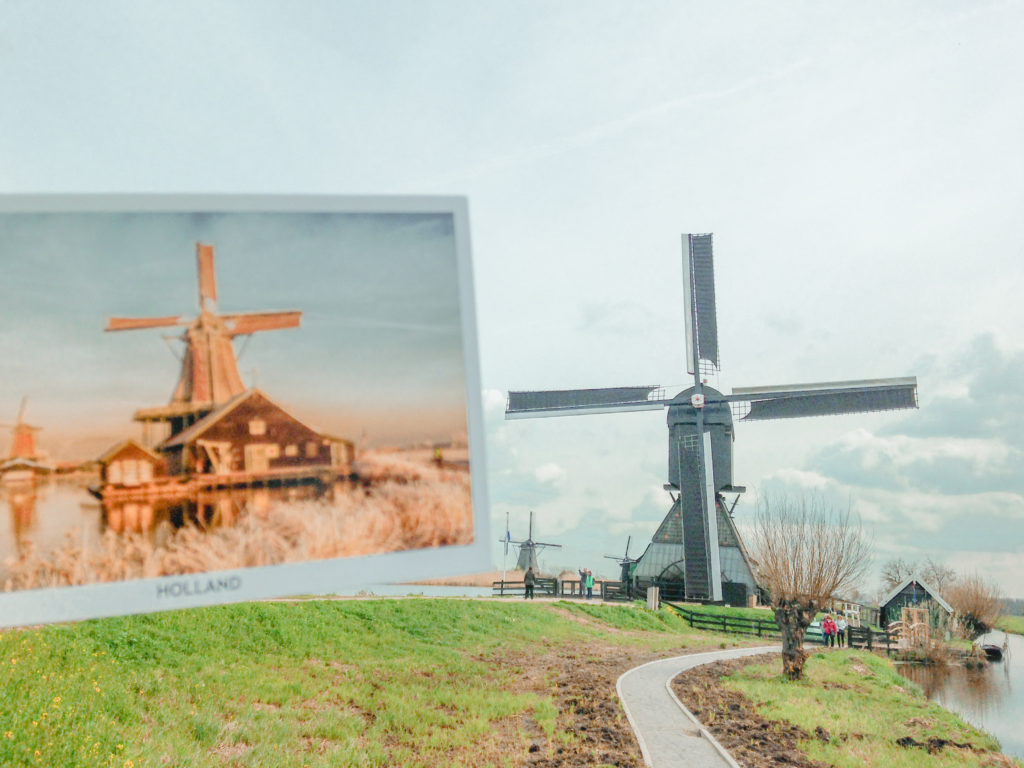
(208, 509)
(44, 516)
(991, 698)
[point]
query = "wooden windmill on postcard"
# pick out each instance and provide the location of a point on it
(215, 432)
(697, 553)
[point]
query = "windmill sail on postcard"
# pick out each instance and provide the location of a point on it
(234, 398)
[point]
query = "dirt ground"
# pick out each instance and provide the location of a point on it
(583, 682)
(752, 740)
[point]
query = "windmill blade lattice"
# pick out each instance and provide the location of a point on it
(569, 402)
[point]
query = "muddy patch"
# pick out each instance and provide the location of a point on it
(751, 739)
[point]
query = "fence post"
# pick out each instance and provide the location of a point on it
(654, 599)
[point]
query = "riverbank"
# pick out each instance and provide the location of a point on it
(1012, 624)
(411, 682)
(851, 709)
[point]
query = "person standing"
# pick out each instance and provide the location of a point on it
(841, 626)
(828, 631)
(528, 581)
(583, 581)
(590, 584)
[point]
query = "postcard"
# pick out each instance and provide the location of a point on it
(208, 399)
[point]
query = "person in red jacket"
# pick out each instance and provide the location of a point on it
(829, 630)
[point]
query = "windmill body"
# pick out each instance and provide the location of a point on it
(528, 549)
(697, 546)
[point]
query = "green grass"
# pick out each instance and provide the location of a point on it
(339, 683)
(865, 706)
(1014, 624)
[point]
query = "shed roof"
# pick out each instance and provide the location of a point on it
(112, 452)
(923, 584)
(197, 429)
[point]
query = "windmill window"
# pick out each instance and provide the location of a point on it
(312, 449)
(257, 427)
(690, 442)
(291, 450)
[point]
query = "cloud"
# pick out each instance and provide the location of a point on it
(549, 473)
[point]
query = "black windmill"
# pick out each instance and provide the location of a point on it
(625, 565)
(528, 549)
(692, 547)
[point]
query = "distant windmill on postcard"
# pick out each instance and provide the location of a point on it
(695, 552)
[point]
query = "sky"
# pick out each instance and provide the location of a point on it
(377, 357)
(860, 166)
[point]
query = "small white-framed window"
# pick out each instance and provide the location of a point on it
(257, 427)
(291, 450)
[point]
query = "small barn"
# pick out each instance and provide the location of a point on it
(915, 593)
(252, 435)
(130, 464)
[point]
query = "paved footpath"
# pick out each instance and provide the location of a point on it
(669, 735)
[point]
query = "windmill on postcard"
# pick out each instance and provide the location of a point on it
(697, 551)
(215, 432)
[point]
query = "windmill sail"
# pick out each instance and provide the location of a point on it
(207, 276)
(827, 398)
(133, 323)
(701, 315)
(563, 402)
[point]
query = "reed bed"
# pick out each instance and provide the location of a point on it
(404, 506)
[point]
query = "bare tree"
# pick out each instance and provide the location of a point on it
(977, 604)
(807, 551)
(896, 571)
(938, 575)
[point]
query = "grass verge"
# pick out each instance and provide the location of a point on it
(1014, 624)
(414, 682)
(858, 709)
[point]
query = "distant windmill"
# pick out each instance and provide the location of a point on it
(209, 368)
(625, 562)
(23, 436)
(695, 545)
(528, 549)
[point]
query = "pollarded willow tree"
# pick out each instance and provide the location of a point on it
(807, 551)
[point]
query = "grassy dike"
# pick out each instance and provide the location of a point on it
(411, 682)
(855, 709)
(1014, 624)
(385, 682)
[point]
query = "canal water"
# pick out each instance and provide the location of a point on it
(991, 698)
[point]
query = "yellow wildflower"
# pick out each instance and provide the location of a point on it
(8, 734)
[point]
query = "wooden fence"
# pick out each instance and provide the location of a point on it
(545, 587)
(736, 625)
(863, 637)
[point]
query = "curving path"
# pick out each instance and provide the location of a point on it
(669, 735)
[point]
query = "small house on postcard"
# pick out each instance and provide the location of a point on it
(130, 464)
(216, 433)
